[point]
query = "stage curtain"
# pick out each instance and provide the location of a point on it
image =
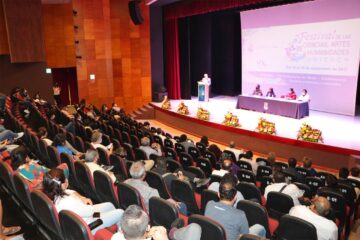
(172, 59)
(185, 9)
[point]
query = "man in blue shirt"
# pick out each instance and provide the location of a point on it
(232, 219)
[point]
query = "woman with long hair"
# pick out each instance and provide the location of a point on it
(55, 186)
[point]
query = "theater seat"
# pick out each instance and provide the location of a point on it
(210, 228)
(162, 212)
(182, 192)
(278, 204)
(295, 228)
(73, 227)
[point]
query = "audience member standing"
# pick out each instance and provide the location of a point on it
(57, 91)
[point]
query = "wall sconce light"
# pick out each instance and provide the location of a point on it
(48, 70)
(92, 77)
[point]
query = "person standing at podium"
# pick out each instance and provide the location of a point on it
(206, 79)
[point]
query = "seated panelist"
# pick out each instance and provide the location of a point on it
(271, 93)
(257, 91)
(304, 97)
(291, 95)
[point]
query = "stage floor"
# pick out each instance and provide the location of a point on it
(338, 130)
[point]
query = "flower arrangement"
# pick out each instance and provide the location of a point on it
(266, 127)
(202, 114)
(166, 103)
(231, 120)
(309, 134)
(182, 109)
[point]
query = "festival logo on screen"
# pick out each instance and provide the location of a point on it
(296, 51)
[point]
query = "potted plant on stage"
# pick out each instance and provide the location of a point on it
(266, 127)
(166, 103)
(183, 109)
(309, 134)
(231, 120)
(202, 114)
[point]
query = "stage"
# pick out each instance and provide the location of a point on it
(341, 133)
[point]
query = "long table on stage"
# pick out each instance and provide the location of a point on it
(277, 106)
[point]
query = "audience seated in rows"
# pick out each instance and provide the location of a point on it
(248, 157)
(228, 177)
(307, 163)
(96, 139)
(61, 146)
(56, 188)
(316, 214)
(232, 219)
(226, 165)
(204, 140)
(155, 148)
(292, 170)
(232, 148)
(137, 180)
(280, 185)
(42, 134)
(355, 173)
(185, 142)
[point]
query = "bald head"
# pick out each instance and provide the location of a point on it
(322, 206)
(232, 144)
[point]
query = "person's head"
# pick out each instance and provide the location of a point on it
(307, 163)
(279, 177)
(91, 155)
(304, 92)
(321, 206)
(104, 108)
(19, 156)
(291, 90)
(96, 137)
(343, 173)
(355, 172)
(37, 95)
(248, 155)
(257, 86)
(229, 178)
(137, 170)
(146, 125)
(204, 140)
(227, 191)
(134, 223)
(271, 90)
(271, 157)
(292, 162)
(159, 131)
(206, 75)
(56, 84)
(232, 144)
(59, 140)
(226, 162)
(331, 181)
(42, 132)
(54, 183)
(145, 141)
(183, 138)
(121, 152)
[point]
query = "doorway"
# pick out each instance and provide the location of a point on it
(67, 80)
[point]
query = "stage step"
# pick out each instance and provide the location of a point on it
(143, 112)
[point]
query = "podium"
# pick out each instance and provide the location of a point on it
(203, 91)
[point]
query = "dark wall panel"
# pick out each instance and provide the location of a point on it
(31, 76)
(24, 28)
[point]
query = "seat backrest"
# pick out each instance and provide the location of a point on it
(303, 171)
(46, 212)
(105, 188)
(54, 156)
(85, 180)
(354, 182)
(70, 138)
(134, 141)
(129, 152)
(314, 183)
(201, 147)
(182, 192)
(264, 161)
(246, 176)
(196, 171)
(281, 164)
(249, 191)
(79, 144)
(232, 155)
(172, 165)
(348, 191)
(103, 157)
(140, 154)
(194, 152)
(278, 204)
(337, 200)
(125, 137)
(43, 152)
(210, 228)
(128, 195)
(65, 158)
(156, 181)
(23, 191)
(215, 178)
(169, 152)
(119, 166)
(322, 175)
(255, 214)
(211, 156)
(305, 188)
(166, 216)
(206, 196)
(158, 140)
(244, 165)
(7, 176)
(186, 160)
(73, 226)
(205, 165)
(168, 143)
(263, 171)
(291, 227)
(179, 148)
(292, 177)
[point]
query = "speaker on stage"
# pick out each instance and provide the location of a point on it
(135, 12)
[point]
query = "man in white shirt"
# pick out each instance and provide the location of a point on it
(96, 139)
(232, 148)
(91, 159)
(155, 148)
(280, 185)
(206, 79)
(315, 214)
(304, 96)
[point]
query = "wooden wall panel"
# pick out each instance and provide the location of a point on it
(4, 45)
(116, 51)
(59, 35)
(24, 29)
